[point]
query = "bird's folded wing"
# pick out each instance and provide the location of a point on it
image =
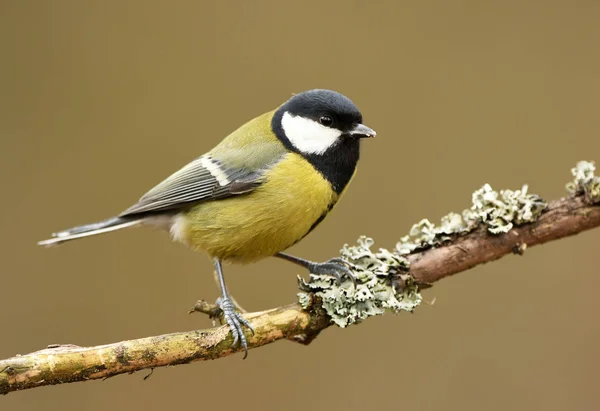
(205, 178)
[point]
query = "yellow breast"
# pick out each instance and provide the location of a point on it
(264, 222)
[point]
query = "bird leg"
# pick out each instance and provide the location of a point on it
(237, 305)
(233, 318)
(336, 267)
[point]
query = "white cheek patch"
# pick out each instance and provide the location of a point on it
(307, 135)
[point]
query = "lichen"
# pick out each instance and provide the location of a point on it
(585, 182)
(499, 211)
(382, 284)
(383, 280)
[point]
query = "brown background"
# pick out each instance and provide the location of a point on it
(100, 100)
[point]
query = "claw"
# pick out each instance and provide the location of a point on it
(336, 267)
(245, 323)
(235, 322)
(333, 268)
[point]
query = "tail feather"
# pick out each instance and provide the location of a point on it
(106, 226)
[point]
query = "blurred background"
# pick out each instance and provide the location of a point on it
(100, 100)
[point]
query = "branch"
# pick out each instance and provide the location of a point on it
(59, 364)
(563, 218)
(69, 363)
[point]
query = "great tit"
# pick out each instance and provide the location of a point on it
(258, 192)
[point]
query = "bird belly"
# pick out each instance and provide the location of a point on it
(264, 222)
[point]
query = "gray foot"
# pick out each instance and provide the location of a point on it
(336, 267)
(235, 322)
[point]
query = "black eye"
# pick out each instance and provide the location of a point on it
(327, 121)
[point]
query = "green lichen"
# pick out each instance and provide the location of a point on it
(585, 182)
(383, 280)
(499, 211)
(382, 285)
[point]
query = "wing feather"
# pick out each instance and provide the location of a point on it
(203, 179)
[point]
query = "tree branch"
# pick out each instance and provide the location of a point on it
(562, 218)
(70, 363)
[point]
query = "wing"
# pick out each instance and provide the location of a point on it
(205, 178)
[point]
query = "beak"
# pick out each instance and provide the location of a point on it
(362, 131)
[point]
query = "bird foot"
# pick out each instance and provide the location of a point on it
(235, 321)
(336, 267)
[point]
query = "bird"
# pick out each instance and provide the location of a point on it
(262, 189)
